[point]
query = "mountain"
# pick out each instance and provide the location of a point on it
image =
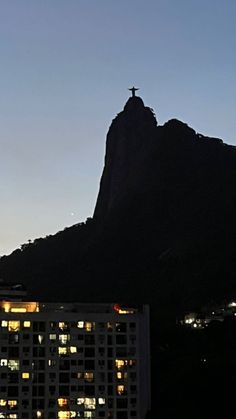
(163, 228)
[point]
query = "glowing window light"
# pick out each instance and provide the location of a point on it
(119, 375)
(88, 414)
(3, 362)
(19, 307)
(120, 310)
(89, 403)
(13, 416)
(120, 389)
(39, 414)
(120, 363)
(62, 402)
(14, 325)
(4, 323)
(12, 403)
(73, 349)
(66, 414)
(80, 400)
(101, 401)
(63, 339)
(14, 364)
(89, 326)
(232, 304)
(52, 336)
(25, 375)
(88, 376)
(80, 325)
(63, 325)
(3, 402)
(26, 323)
(62, 350)
(18, 310)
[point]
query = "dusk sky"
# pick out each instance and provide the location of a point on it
(65, 69)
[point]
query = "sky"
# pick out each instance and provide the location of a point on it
(65, 67)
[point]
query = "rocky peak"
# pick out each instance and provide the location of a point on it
(128, 137)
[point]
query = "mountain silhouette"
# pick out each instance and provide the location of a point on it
(163, 229)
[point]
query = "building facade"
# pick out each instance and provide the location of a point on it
(71, 360)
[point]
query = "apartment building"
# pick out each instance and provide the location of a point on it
(72, 360)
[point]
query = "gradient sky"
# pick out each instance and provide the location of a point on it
(65, 69)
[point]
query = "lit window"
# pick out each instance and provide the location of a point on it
(88, 414)
(62, 350)
(120, 389)
(4, 323)
(80, 325)
(13, 325)
(12, 404)
(13, 364)
(3, 362)
(40, 339)
(89, 326)
(119, 375)
(63, 325)
(25, 375)
(73, 349)
(26, 323)
(101, 400)
(109, 326)
(39, 414)
(120, 363)
(18, 310)
(19, 307)
(66, 414)
(63, 339)
(51, 362)
(62, 402)
(88, 376)
(52, 336)
(13, 416)
(80, 400)
(3, 402)
(89, 403)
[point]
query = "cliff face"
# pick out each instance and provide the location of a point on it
(129, 139)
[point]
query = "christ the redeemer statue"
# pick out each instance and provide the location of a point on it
(133, 90)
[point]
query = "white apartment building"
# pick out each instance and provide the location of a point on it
(72, 360)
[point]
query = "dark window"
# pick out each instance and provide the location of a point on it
(121, 339)
(110, 340)
(121, 403)
(121, 351)
(89, 352)
(13, 391)
(121, 327)
(89, 390)
(80, 337)
(64, 377)
(110, 352)
(89, 364)
(89, 340)
(64, 390)
(52, 390)
(122, 415)
(110, 390)
(110, 403)
(13, 352)
(110, 377)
